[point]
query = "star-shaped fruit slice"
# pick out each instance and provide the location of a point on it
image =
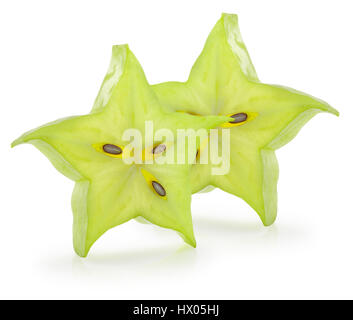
(223, 81)
(91, 150)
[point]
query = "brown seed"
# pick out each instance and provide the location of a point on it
(158, 188)
(112, 149)
(159, 149)
(238, 117)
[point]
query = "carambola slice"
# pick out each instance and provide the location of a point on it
(90, 150)
(223, 81)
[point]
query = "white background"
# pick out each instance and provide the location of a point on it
(53, 57)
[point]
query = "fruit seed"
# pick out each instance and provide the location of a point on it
(159, 149)
(112, 149)
(239, 117)
(158, 188)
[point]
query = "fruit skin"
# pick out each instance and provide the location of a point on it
(109, 192)
(223, 81)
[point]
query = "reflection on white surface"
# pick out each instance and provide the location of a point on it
(216, 237)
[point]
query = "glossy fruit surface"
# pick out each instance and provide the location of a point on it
(223, 81)
(90, 150)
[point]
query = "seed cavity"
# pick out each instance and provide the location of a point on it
(239, 117)
(158, 188)
(197, 153)
(112, 149)
(192, 113)
(159, 149)
(153, 184)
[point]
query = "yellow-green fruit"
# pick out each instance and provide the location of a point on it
(223, 81)
(90, 149)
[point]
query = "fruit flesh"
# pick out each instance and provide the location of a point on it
(223, 81)
(107, 189)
